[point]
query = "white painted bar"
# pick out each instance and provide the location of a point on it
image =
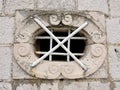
(37, 20)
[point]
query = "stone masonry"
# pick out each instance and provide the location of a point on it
(12, 77)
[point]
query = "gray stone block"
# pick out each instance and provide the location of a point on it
(93, 5)
(113, 30)
(76, 86)
(114, 62)
(116, 86)
(49, 85)
(5, 62)
(97, 85)
(5, 86)
(56, 4)
(6, 30)
(27, 87)
(12, 5)
(1, 3)
(115, 8)
(63, 85)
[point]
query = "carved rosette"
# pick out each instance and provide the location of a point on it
(67, 20)
(97, 50)
(68, 69)
(54, 69)
(54, 20)
(24, 48)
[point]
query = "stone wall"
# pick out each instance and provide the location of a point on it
(12, 77)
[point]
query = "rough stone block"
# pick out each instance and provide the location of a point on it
(6, 30)
(93, 5)
(114, 62)
(76, 86)
(56, 4)
(1, 3)
(63, 85)
(116, 86)
(115, 7)
(5, 62)
(12, 5)
(49, 85)
(113, 30)
(5, 86)
(96, 85)
(27, 87)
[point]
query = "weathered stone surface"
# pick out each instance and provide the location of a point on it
(27, 87)
(5, 62)
(5, 86)
(6, 30)
(93, 5)
(114, 62)
(101, 72)
(24, 52)
(12, 5)
(113, 30)
(18, 73)
(49, 85)
(75, 86)
(1, 3)
(115, 7)
(116, 86)
(56, 4)
(96, 85)
(63, 85)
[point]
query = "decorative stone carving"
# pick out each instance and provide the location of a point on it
(24, 51)
(54, 20)
(67, 20)
(97, 50)
(68, 69)
(22, 37)
(54, 69)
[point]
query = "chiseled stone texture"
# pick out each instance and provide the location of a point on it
(63, 85)
(116, 86)
(5, 62)
(101, 72)
(56, 4)
(49, 85)
(114, 62)
(18, 72)
(27, 87)
(76, 86)
(96, 85)
(12, 5)
(5, 86)
(113, 30)
(115, 7)
(1, 3)
(6, 30)
(93, 5)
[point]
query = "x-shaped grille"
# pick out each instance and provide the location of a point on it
(60, 43)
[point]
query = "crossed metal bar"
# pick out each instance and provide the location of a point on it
(60, 43)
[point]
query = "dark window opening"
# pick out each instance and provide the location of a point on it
(45, 42)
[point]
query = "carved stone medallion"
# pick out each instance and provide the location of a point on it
(24, 49)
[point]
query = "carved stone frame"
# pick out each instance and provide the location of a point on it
(95, 52)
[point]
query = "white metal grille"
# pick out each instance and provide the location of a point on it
(80, 39)
(60, 43)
